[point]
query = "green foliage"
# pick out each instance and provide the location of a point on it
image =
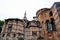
(1, 22)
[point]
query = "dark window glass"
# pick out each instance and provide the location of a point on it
(49, 26)
(42, 22)
(8, 34)
(58, 5)
(14, 35)
(59, 14)
(19, 34)
(53, 24)
(3, 35)
(58, 10)
(51, 14)
(34, 33)
(9, 27)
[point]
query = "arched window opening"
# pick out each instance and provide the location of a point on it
(10, 27)
(51, 14)
(53, 24)
(49, 26)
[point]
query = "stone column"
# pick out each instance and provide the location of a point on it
(45, 32)
(55, 35)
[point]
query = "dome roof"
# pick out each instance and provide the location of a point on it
(41, 10)
(33, 23)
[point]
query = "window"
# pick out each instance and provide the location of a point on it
(3, 35)
(53, 24)
(58, 8)
(8, 34)
(19, 34)
(49, 25)
(9, 27)
(58, 5)
(14, 35)
(42, 22)
(51, 14)
(34, 33)
(59, 14)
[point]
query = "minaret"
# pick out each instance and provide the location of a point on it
(25, 24)
(25, 18)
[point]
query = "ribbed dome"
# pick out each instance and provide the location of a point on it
(41, 10)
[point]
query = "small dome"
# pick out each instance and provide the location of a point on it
(33, 23)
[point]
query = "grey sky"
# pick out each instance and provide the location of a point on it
(17, 8)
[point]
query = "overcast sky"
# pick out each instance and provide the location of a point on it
(17, 8)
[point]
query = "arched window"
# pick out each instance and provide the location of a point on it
(49, 26)
(51, 14)
(10, 27)
(53, 24)
(14, 35)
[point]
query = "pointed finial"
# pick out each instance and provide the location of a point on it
(25, 16)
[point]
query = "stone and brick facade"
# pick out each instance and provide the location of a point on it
(28, 30)
(46, 25)
(50, 21)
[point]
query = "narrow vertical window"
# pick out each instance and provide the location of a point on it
(3, 35)
(9, 27)
(34, 33)
(14, 35)
(49, 25)
(51, 14)
(53, 24)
